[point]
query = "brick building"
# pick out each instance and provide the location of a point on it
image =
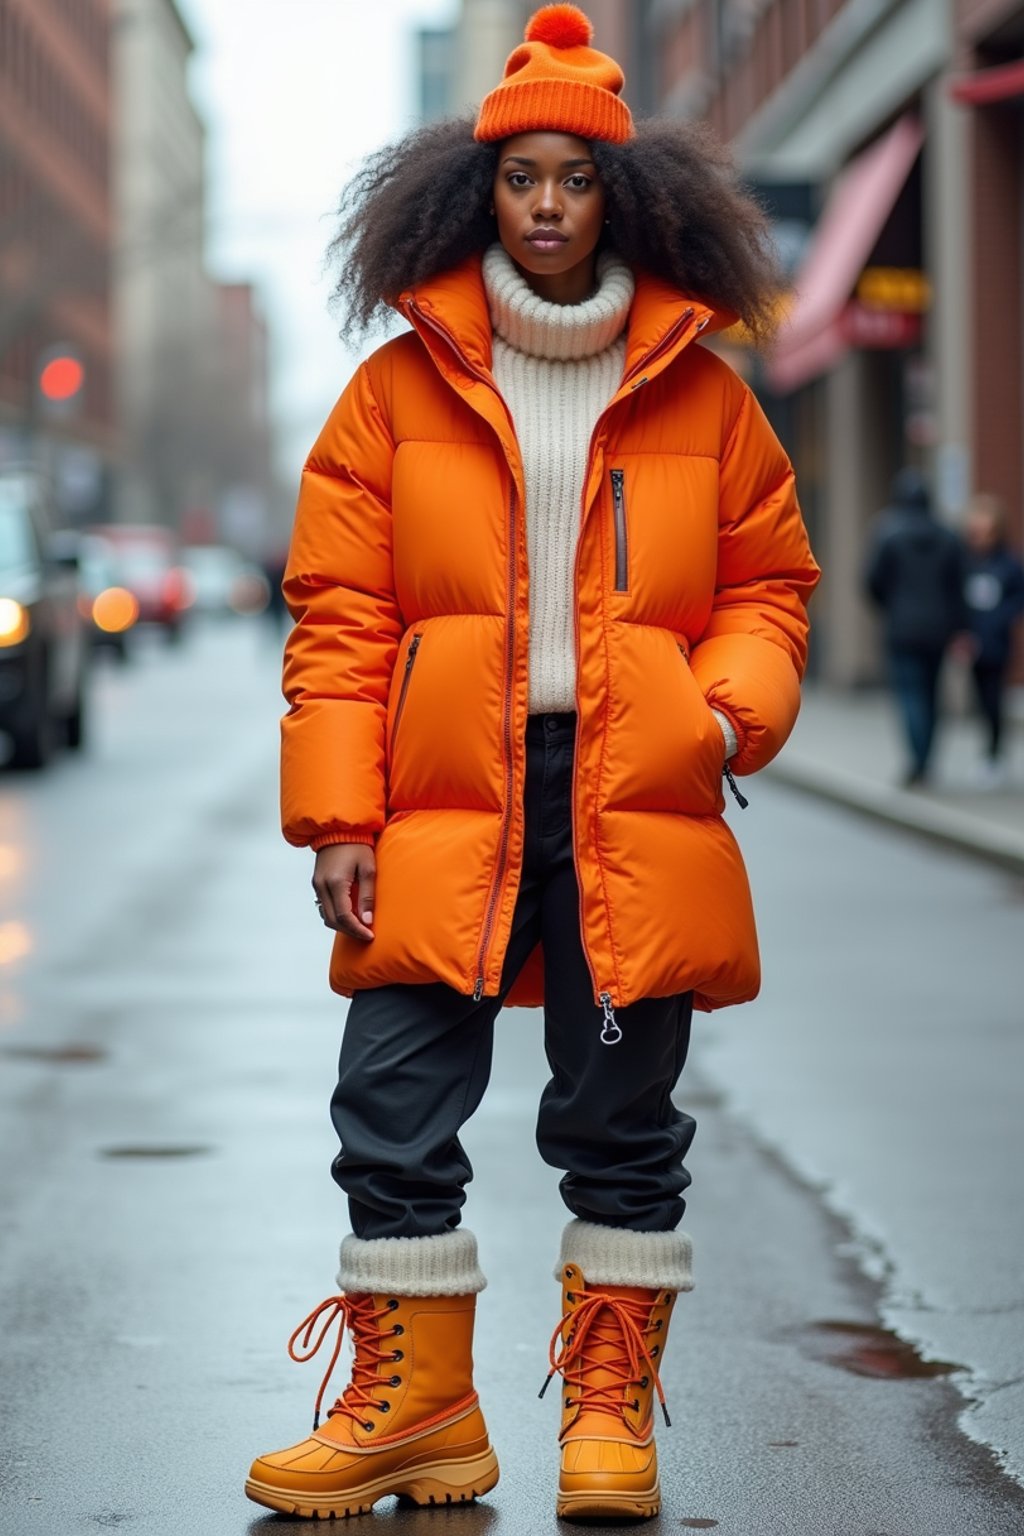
(988, 86)
(56, 231)
(886, 137)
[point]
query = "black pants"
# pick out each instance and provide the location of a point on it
(990, 686)
(915, 681)
(415, 1061)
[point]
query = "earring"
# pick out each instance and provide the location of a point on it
(491, 210)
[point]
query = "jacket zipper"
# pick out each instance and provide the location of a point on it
(611, 1029)
(410, 662)
(609, 1024)
(506, 826)
(741, 799)
(618, 477)
(666, 341)
(727, 773)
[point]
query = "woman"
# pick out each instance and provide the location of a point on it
(549, 582)
(994, 600)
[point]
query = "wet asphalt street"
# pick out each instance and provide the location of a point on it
(167, 1050)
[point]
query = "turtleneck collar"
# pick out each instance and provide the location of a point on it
(565, 332)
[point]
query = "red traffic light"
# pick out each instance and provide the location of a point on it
(61, 377)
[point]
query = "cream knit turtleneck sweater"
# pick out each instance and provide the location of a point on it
(557, 366)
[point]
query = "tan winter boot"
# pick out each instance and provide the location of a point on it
(612, 1338)
(409, 1422)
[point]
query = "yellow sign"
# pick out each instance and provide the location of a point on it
(895, 288)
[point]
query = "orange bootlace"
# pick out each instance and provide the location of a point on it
(361, 1316)
(602, 1320)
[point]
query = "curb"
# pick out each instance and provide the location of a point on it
(911, 813)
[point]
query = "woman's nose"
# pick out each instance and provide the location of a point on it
(548, 204)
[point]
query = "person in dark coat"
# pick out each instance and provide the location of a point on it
(914, 575)
(994, 597)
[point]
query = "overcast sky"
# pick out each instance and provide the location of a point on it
(294, 93)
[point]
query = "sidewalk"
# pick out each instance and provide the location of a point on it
(847, 748)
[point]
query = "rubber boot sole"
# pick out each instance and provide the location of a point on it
(582, 1505)
(443, 1482)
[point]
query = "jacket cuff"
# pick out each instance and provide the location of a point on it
(354, 835)
(732, 741)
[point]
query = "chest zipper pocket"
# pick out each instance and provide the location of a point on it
(618, 479)
(410, 662)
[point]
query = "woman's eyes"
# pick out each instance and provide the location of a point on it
(578, 183)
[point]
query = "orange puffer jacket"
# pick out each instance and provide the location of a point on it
(406, 670)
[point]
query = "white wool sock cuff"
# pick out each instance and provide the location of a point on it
(728, 730)
(445, 1265)
(619, 1256)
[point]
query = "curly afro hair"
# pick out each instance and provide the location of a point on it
(420, 206)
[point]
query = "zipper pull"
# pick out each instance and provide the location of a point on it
(410, 655)
(479, 989)
(611, 1030)
(741, 799)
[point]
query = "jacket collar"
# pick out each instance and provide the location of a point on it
(451, 315)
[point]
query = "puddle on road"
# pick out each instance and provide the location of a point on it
(868, 1350)
(156, 1151)
(58, 1055)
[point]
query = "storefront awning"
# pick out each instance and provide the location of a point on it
(814, 335)
(1003, 82)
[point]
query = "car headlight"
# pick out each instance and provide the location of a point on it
(14, 622)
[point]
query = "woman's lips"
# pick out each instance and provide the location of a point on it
(546, 240)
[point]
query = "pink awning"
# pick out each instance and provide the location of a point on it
(1003, 82)
(814, 335)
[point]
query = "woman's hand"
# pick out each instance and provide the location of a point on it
(339, 868)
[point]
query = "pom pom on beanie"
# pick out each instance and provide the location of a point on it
(560, 26)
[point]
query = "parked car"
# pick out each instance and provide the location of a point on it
(149, 566)
(223, 582)
(109, 609)
(44, 651)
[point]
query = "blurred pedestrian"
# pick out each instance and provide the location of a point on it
(277, 609)
(548, 578)
(914, 574)
(994, 596)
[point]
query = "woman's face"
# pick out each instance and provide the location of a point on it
(549, 206)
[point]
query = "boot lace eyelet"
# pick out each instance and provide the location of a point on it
(383, 1407)
(396, 1381)
(659, 1325)
(398, 1329)
(396, 1354)
(568, 1402)
(367, 1425)
(654, 1350)
(392, 1304)
(636, 1404)
(644, 1380)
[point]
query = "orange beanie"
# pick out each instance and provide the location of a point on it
(555, 80)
